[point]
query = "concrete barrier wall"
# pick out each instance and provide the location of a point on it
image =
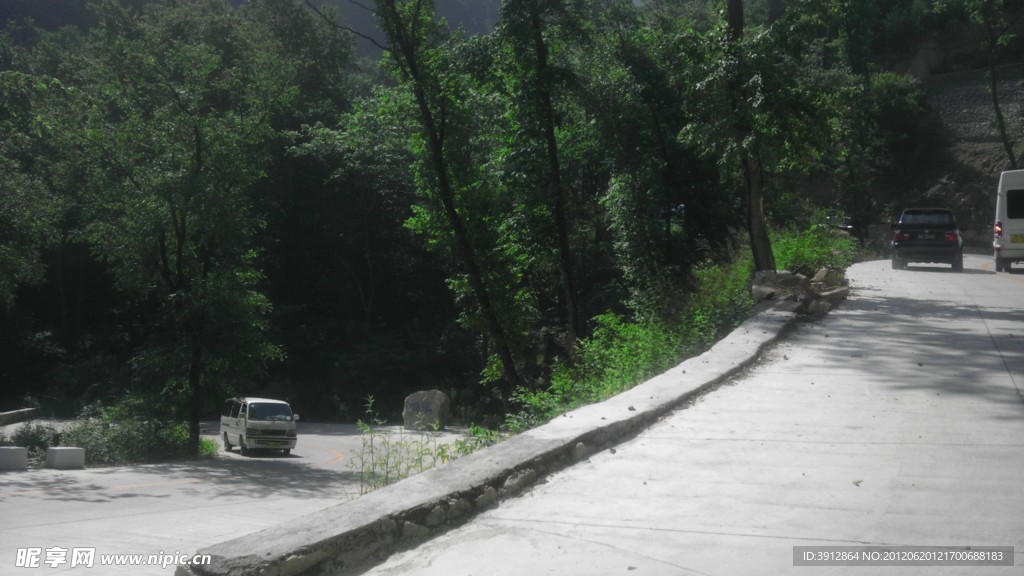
(15, 416)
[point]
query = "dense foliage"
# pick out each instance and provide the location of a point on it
(124, 433)
(199, 199)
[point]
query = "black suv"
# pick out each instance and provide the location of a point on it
(927, 235)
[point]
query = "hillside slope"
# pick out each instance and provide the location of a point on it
(963, 103)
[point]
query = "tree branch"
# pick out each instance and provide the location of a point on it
(339, 26)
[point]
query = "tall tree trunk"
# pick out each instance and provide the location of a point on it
(557, 191)
(753, 176)
(734, 19)
(404, 50)
(466, 252)
(195, 387)
(993, 46)
(666, 172)
(757, 228)
(62, 302)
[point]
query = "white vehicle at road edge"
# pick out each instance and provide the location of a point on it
(258, 423)
(1008, 230)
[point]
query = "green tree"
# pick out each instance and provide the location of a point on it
(418, 53)
(743, 98)
(662, 202)
(768, 105)
(530, 27)
(172, 124)
(29, 212)
(28, 216)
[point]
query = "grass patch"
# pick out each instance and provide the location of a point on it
(387, 456)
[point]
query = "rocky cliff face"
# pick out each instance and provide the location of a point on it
(962, 102)
(952, 66)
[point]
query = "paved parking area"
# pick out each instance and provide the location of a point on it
(179, 507)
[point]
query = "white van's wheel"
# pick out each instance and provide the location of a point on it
(227, 445)
(287, 451)
(242, 447)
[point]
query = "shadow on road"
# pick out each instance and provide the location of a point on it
(932, 345)
(230, 476)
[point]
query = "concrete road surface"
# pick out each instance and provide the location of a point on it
(172, 509)
(898, 420)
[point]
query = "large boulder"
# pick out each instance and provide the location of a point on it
(426, 410)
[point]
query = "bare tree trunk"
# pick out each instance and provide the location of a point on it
(195, 386)
(757, 228)
(753, 177)
(993, 45)
(734, 18)
(557, 191)
(404, 48)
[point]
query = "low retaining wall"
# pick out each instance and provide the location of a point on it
(15, 416)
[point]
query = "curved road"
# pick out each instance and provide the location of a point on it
(897, 420)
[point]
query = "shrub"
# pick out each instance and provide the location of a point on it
(720, 301)
(124, 434)
(622, 352)
(111, 443)
(208, 448)
(37, 438)
(808, 251)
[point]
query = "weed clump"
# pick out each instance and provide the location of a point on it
(387, 456)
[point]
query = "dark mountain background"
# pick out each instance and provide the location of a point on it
(950, 63)
(473, 16)
(47, 14)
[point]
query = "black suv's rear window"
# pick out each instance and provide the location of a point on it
(927, 218)
(1015, 204)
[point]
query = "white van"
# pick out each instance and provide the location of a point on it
(258, 423)
(1009, 226)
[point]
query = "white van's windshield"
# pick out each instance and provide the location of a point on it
(269, 411)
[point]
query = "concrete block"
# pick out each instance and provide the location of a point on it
(65, 457)
(13, 458)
